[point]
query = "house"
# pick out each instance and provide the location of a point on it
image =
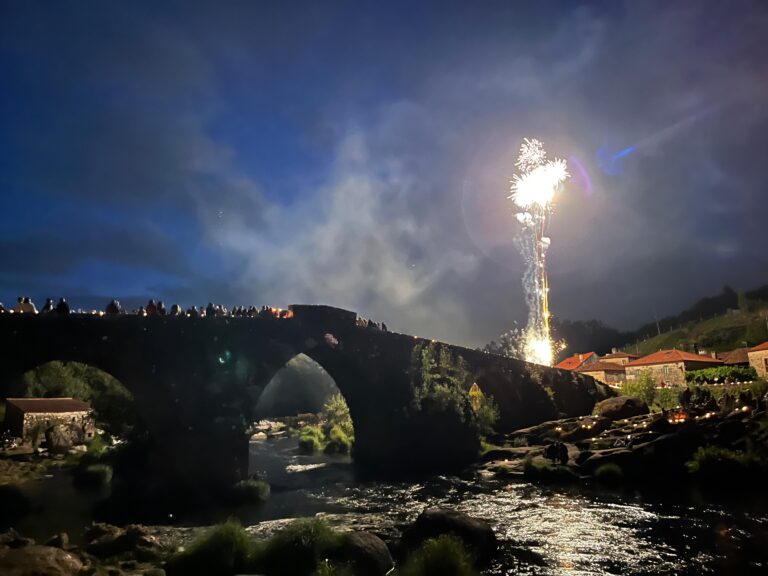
(577, 360)
(609, 373)
(621, 358)
(738, 357)
(29, 418)
(669, 366)
(758, 359)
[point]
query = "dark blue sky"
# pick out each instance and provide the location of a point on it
(358, 154)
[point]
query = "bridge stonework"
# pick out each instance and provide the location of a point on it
(195, 382)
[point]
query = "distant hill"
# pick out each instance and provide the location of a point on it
(722, 322)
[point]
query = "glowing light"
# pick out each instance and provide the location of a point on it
(533, 192)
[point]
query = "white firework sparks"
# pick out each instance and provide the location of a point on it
(533, 191)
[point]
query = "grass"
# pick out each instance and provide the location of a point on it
(721, 333)
(609, 474)
(223, 550)
(297, 549)
(442, 556)
(250, 492)
(311, 439)
(545, 471)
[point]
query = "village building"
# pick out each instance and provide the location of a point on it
(577, 361)
(758, 359)
(620, 358)
(738, 357)
(609, 373)
(29, 418)
(668, 367)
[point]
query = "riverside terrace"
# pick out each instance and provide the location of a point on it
(195, 380)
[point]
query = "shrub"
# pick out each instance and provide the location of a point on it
(223, 550)
(338, 441)
(667, 398)
(713, 463)
(335, 413)
(643, 387)
(609, 474)
(311, 439)
(442, 556)
(297, 548)
(720, 373)
(93, 476)
(546, 471)
(327, 568)
(485, 409)
(250, 492)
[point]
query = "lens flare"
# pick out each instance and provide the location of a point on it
(533, 192)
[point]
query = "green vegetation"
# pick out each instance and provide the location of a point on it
(441, 556)
(713, 463)
(609, 474)
(757, 389)
(440, 380)
(223, 550)
(92, 476)
(485, 409)
(297, 549)
(111, 401)
(721, 373)
(545, 471)
(250, 492)
(667, 398)
(335, 434)
(745, 327)
(643, 387)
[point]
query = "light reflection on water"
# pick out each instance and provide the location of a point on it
(576, 532)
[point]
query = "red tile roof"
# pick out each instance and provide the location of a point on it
(620, 355)
(763, 346)
(738, 356)
(573, 362)
(668, 356)
(48, 405)
(601, 367)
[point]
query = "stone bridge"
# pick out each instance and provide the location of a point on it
(196, 380)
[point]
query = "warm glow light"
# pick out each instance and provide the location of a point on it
(533, 192)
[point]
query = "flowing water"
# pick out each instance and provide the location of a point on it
(544, 530)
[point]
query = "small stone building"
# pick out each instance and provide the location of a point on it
(669, 366)
(29, 418)
(620, 358)
(737, 357)
(758, 359)
(609, 373)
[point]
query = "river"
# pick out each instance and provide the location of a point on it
(574, 531)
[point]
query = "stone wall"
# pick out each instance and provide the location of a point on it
(672, 374)
(759, 361)
(36, 423)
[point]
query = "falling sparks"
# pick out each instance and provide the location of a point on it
(533, 192)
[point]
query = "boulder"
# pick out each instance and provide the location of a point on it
(12, 539)
(60, 438)
(367, 554)
(106, 541)
(476, 534)
(621, 407)
(60, 540)
(38, 560)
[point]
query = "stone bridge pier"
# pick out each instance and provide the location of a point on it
(195, 382)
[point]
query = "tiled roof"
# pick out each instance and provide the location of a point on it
(668, 356)
(573, 362)
(48, 405)
(601, 367)
(738, 356)
(620, 355)
(763, 346)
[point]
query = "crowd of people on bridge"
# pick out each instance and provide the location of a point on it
(25, 305)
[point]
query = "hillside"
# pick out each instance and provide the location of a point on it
(734, 329)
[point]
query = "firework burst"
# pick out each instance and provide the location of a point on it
(533, 192)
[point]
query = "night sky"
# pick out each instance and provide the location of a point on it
(359, 154)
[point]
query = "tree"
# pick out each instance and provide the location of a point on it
(643, 387)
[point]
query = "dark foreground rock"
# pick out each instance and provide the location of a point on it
(476, 534)
(367, 554)
(621, 407)
(105, 541)
(38, 560)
